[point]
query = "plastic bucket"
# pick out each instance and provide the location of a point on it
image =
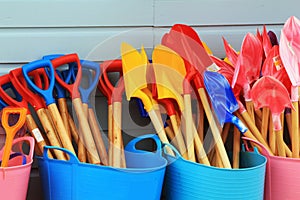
(282, 177)
(142, 179)
(14, 178)
(187, 180)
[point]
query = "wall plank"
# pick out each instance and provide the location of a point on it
(220, 12)
(75, 13)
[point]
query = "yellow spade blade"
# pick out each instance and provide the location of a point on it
(169, 72)
(134, 65)
(207, 49)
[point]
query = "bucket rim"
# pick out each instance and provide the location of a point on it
(138, 170)
(223, 169)
(17, 166)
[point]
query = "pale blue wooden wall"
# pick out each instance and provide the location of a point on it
(95, 29)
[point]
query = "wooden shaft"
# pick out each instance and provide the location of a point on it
(97, 137)
(91, 148)
(160, 130)
(117, 135)
(200, 128)
(218, 160)
(35, 132)
(58, 123)
(75, 135)
(171, 135)
(272, 138)
(189, 134)
(50, 132)
(73, 129)
(200, 152)
(85, 108)
(53, 126)
(214, 128)
(280, 143)
(178, 136)
(110, 135)
(288, 152)
(250, 110)
(236, 148)
(254, 130)
(258, 114)
(295, 130)
(265, 122)
(288, 119)
(63, 109)
(225, 132)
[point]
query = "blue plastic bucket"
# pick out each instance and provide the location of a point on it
(142, 179)
(187, 180)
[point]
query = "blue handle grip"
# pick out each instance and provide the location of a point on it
(46, 93)
(93, 79)
(60, 91)
(52, 56)
(72, 157)
(2, 104)
(131, 146)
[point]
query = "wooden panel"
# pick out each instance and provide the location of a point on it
(220, 12)
(75, 13)
(213, 36)
(28, 44)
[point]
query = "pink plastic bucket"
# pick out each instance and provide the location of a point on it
(14, 179)
(282, 177)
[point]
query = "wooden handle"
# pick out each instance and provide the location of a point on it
(178, 136)
(92, 153)
(61, 130)
(225, 132)
(214, 129)
(75, 135)
(288, 119)
(250, 110)
(110, 133)
(200, 127)
(117, 135)
(200, 151)
(35, 132)
(189, 134)
(236, 148)
(254, 130)
(280, 143)
(160, 130)
(63, 109)
(265, 122)
(295, 130)
(272, 138)
(50, 133)
(73, 128)
(97, 136)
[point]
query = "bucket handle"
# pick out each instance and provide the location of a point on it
(263, 148)
(72, 157)
(177, 154)
(131, 146)
(30, 140)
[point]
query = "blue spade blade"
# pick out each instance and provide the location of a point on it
(223, 100)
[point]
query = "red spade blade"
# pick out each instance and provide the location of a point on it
(274, 95)
(248, 66)
(231, 54)
(267, 45)
(273, 66)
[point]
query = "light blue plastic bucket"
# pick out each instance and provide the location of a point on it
(187, 180)
(72, 180)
